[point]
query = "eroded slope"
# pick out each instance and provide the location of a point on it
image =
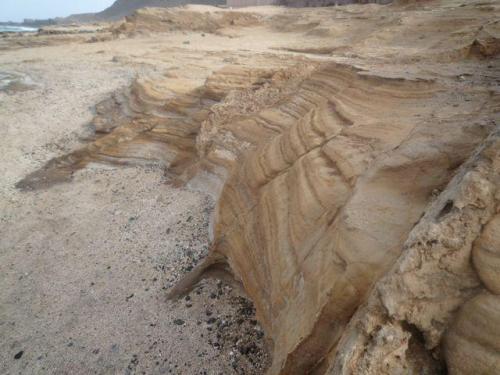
(331, 173)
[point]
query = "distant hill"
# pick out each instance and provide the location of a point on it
(122, 8)
(118, 10)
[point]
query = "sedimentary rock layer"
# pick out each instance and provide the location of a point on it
(164, 20)
(315, 214)
(414, 305)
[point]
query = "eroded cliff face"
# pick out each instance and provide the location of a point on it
(330, 199)
(401, 326)
(164, 20)
(357, 193)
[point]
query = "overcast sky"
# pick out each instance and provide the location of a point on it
(17, 10)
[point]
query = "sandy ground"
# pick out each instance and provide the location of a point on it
(86, 266)
(85, 271)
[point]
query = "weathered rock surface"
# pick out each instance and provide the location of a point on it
(165, 20)
(471, 345)
(357, 194)
(411, 308)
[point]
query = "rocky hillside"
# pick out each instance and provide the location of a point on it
(122, 8)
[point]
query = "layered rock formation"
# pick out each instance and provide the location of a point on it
(357, 194)
(164, 20)
(412, 307)
(329, 199)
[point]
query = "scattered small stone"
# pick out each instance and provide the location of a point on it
(19, 354)
(179, 322)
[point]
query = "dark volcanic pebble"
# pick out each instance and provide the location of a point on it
(19, 355)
